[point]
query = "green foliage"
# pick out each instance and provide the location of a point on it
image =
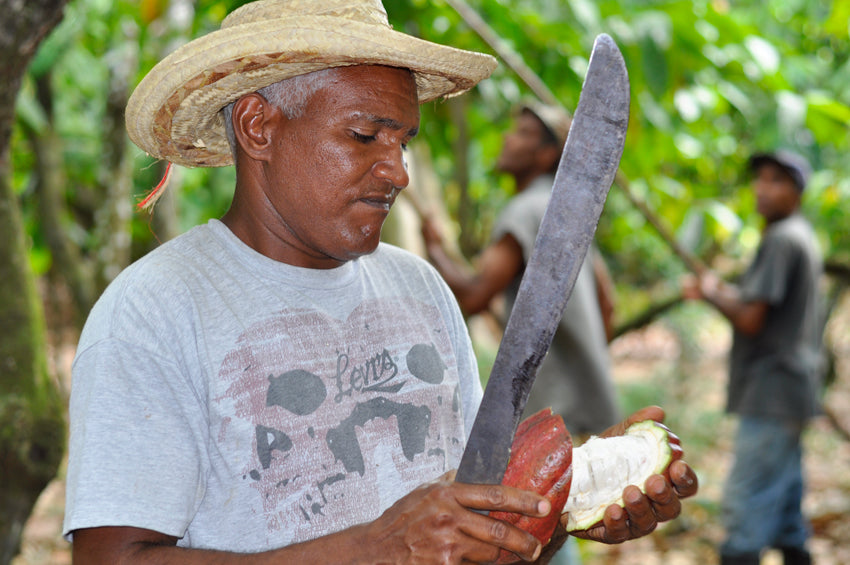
(711, 82)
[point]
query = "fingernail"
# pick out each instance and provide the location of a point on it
(544, 507)
(684, 476)
(617, 512)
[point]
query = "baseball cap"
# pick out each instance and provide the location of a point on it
(793, 163)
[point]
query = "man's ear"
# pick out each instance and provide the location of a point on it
(253, 124)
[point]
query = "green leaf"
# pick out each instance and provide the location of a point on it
(827, 118)
(827, 105)
(837, 23)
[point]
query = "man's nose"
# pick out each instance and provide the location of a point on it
(393, 167)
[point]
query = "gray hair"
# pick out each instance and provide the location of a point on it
(289, 95)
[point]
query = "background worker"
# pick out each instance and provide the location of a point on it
(774, 369)
(575, 378)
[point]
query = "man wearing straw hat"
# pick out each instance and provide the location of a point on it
(278, 386)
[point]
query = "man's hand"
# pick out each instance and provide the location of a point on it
(643, 512)
(706, 286)
(747, 316)
(437, 523)
(690, 285)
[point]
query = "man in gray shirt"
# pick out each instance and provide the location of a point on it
(775, 367)
(575, 378)
(278, 386)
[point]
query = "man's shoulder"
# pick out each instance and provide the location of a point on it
(162, 266)
(397, 266)
(532, 200)
(795, 225)
(794, 232)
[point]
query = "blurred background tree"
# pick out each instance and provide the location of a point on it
(32, 415)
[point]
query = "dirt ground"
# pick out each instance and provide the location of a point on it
(648, 366)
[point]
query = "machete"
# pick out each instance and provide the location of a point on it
(585, 173)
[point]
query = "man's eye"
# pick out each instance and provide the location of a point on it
(363, 138)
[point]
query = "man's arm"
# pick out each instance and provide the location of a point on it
(496, 267)
(604, 293)
(746, 317)
(433, 524)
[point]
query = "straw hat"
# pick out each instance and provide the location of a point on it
(174, 113)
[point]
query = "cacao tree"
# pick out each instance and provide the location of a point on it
(32, 422)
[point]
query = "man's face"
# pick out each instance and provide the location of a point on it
(776, 194)
(521, 146)
(338, 168)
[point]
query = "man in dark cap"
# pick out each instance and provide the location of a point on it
(775, 367)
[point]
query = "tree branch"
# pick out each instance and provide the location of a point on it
(535, 83)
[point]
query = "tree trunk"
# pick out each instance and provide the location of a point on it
(469, 243)
(115, 213)
(32, 429)
(50, 183)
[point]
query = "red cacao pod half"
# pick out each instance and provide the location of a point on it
(603, 467)
(541, 457)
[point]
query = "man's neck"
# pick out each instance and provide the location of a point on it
(779, 217)
(522, 182)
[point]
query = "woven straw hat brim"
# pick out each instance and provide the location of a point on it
(174, 113)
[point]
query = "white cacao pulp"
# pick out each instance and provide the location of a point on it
(603, 467)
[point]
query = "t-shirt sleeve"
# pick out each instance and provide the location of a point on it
(136, 458)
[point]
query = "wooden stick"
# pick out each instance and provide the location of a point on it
(691, 261)
(515, 62)
(511, 58)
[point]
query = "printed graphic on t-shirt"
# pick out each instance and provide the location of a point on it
(343, 417)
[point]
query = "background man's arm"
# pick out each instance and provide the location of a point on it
(747, 317)
(605, 294)
(495, 268)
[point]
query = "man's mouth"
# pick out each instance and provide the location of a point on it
(383, 203)
(381, 200)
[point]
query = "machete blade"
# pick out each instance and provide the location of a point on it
(586, 171)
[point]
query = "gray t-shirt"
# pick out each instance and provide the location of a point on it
(243, 404)
(777, 372)
(575, 378)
